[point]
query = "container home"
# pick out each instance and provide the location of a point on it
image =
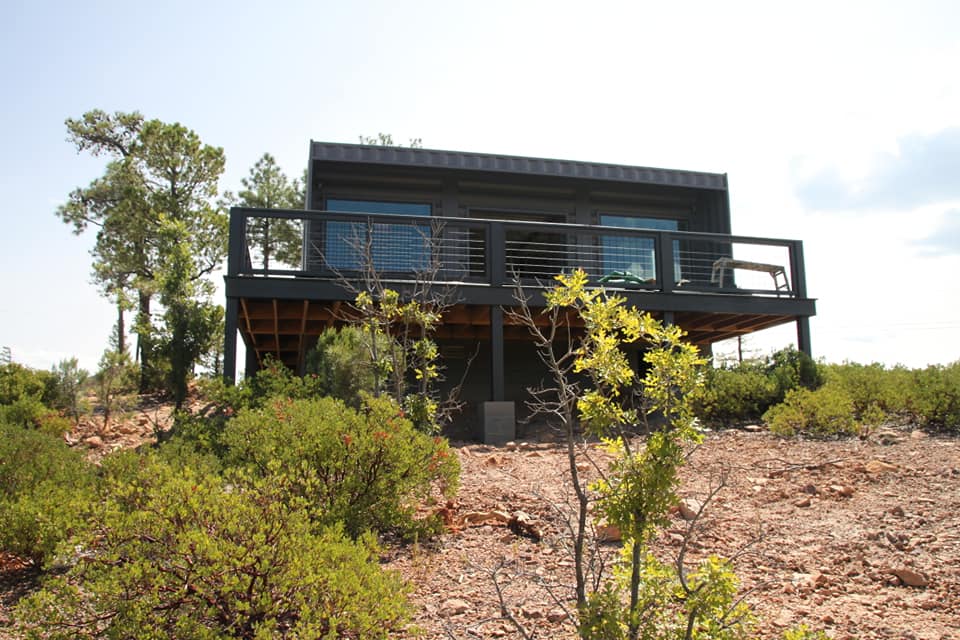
(475, 224)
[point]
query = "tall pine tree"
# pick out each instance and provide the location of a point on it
(156, 172)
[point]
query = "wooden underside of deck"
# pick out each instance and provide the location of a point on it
(288, 329)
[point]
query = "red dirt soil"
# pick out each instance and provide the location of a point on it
(835, 532)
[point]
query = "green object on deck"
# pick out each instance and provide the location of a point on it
(622, 276)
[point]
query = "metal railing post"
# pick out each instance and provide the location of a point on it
(797, 272)
(496, 254)
(237, 241)
(663, 244)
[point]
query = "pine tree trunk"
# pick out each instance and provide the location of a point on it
(121, 329)
(143, 347)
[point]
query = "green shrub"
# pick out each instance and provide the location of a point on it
(743, 393)
(341, 363)
(877, 393)
(935, 396)
(69, 381)
(704, 606)
(734, 395)
(792, 369)
(275, 380)
(803, 632)
(828, 411)
(30, 413)
(366, 468)
(116, 383)
(45, 488)
(18, 381)
(199, 433)
(180, 554)
(26, 396)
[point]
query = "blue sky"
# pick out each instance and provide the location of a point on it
(838, 124)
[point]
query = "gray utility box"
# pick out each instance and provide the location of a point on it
(498, 422)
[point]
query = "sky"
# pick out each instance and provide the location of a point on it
(837, 124)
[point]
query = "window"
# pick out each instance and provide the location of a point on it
(635, 254)
(395, 247)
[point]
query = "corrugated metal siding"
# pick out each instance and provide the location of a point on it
(463, 161)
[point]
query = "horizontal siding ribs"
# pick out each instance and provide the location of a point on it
(518, 165)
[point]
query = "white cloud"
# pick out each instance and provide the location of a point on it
(945, 237)
(924, 170)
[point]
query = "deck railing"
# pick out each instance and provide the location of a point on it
(315, 244)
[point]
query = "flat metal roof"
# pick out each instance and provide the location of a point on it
(517, 165)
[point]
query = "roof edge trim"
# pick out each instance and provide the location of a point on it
(518, 165)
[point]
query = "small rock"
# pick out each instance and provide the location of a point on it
(753, 428)
(910, 578)
(608, 533)
(454, 607)
(897, 511)
(94, 442)
(689, 508)
(492, 461)
(898, 540)
(888, 437)
(811, 489)
(785, 619)
(844, 490)
(917, 434)
(534, 613)
(802, 503)
(556, 615)
(877, 466)
(522, 525)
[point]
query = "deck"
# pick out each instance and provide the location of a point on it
(715, 286)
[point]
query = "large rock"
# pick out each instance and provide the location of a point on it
(910, 578)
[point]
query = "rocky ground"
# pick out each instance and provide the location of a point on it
(860, 538)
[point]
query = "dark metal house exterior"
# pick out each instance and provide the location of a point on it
(474, 221)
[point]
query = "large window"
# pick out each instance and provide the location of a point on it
(394, 247)
(634, 254)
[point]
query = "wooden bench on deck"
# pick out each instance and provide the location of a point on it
(776, 271)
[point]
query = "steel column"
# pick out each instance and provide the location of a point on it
(231, 314)
(803, 335)
(496, 354)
